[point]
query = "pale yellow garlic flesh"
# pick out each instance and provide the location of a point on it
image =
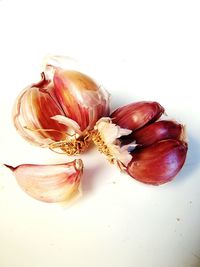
(50, 183)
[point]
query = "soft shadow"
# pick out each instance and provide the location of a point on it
(197, 263)
(89, 178)
(192, 161)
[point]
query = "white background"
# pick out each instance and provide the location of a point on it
(138, 50)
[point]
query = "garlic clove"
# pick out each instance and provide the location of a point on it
(80, 97)
(136, 115)
(50, 183)
(157, 131)
(158, 163)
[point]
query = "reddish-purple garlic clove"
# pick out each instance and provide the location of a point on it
(50, 183)
(157, 131)
(136, 115)
(158, 163)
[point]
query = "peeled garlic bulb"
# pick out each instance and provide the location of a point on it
(50, 183)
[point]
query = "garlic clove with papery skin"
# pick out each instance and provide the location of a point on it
(136, 115)
(158, 163)
(50, 183)
(157, 131)
(40, 109)
(88, 101)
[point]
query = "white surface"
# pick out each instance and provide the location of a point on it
(139, 50)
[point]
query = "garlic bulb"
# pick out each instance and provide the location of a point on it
(60, 110)
(50, 183)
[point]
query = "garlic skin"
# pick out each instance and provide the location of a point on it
(33, 113)
(135, 115)
(50, 183)
(88, 100)
(60, 110)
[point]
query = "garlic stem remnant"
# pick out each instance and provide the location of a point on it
(60, 110)
(50, 183)
(106, 137)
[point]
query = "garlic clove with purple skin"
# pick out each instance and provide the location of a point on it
(50, 183)
(39, 110)
(157, 131)
(158, 163)
(135, 115)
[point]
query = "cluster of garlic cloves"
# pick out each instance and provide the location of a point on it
(149, 149)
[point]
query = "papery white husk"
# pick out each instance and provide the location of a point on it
(109, 134)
